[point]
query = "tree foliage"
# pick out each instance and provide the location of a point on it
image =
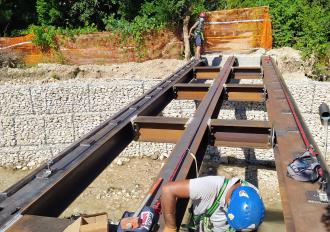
(48, 12)
(303, 24)
(16, 15)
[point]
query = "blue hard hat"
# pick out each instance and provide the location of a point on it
(246, 209)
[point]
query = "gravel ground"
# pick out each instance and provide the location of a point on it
(49, 73)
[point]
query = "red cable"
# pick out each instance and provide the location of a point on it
(157, 205)
(296, 118)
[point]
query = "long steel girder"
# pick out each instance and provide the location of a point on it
(76, 167)
(223, 133)
(299, 214)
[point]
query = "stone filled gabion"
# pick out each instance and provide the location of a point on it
(39, 121)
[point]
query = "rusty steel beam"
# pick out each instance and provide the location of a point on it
(50, 189)
(247, 73)
(242, 133)
(194, 140)
(190, 91)
(246, 92)
(299, 214)
(31, 223)
(235, 139)
(159, 129)
(206, 72)
(234, 92)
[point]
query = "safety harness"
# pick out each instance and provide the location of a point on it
(199, 30)
(202, 221)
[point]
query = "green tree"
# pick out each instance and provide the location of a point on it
(129, 9)
(302, 24)
(16, 14)
(88, 12)
(48, 12)
(174, 13)
(5, 15)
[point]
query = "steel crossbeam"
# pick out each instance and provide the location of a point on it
(35, 201)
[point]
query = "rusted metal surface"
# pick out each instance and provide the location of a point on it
(246, 92)
(234, 92)
(149, 129)
(207, 72)
(194, 141)
(33, 223)
(193, 91)
(242, 133)
(238, 139)
(238, 29)
(247, 73)
(299, 214)
(48, 194)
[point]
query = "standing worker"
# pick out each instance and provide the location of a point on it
(219, 204)
(198, 28)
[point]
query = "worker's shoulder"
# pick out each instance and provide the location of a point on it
(210, 179)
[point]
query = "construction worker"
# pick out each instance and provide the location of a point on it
(198, 28)
(218, 204)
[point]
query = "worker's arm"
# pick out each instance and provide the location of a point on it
(192, 28)
(170, 192)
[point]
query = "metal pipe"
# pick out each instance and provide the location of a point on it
(324, 112)
(325, 119)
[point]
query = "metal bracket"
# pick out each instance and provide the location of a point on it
(319, 197)
(272, 137)
(262, 73)
(45, 173)
(3, 196)
(265, 93)
(225, 91)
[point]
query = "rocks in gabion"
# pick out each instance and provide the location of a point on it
(37, 121)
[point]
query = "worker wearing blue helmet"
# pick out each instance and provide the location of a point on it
(218, 204)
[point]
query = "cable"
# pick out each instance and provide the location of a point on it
(196, 166)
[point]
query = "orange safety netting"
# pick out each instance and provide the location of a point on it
(238, 29)
(227, 30)
(96, 48)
